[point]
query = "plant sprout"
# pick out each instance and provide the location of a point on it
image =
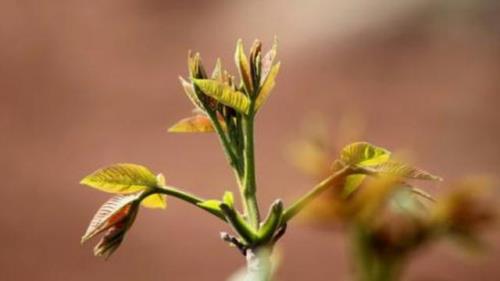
(227, 107)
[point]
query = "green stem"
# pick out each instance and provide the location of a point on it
(302, 202)
(187, 197)
(249, 182)
(226, 145)
(369, 265)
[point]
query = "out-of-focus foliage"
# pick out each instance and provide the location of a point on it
(386, 216)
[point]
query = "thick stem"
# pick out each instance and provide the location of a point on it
(259, 267)
(249, 181)
(370, 266)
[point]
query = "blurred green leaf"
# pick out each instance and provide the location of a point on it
(364, 154)
(403, 170)
(195, 124)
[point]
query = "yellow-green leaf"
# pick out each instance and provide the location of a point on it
(351, 184)
(121, 178)
(268, 86)
(228, 198)
(194, 124)
(403, 170)
(213, 205)
(364, 154)
(243, 66)
(224, 94)
(155, 201)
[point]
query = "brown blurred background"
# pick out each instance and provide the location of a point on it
(84, 84)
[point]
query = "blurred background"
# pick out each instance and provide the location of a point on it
(84, 84)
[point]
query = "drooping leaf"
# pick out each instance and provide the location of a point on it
(243, 66)
(155, 201)
(213, 205)
(403, 170)
(267, 62)
(195, 124)
(268, 86)
(188, 89)
(228, 198)
(224, 94)
(109, 213)
(121, 178)
(364, 154)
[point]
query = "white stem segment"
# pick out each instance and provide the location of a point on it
(258, 265)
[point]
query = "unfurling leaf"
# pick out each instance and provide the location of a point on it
(268, 86)
(267, 62)
(228, 198)
(115, 217)
(155, 201)
(110, 213)
(121, 178)
(195, 124)
(224, 94)
(364, 154)
(243, 66)
(195, 67)
(189, 90)
(217, 72)
(403, 170)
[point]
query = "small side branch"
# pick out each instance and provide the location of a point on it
(296, 207)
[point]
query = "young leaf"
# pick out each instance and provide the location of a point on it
(224, 94)
(217, 72)
(121, 178)
(364, 154)
(195, 124)
(267, 62)
(109, 214)
(351, 184)
(268, 86)
(243, 66)
(403, 170)
(228, 198)
(155, 201)
(211, 205)
(188, 89)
